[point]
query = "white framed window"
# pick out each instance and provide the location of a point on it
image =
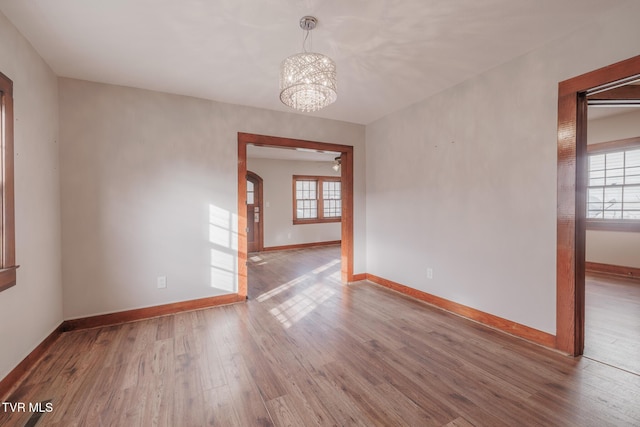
(613, 185)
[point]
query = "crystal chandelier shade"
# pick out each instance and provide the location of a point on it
(308, 80)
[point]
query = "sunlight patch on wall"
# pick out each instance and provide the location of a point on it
(223, 270)
(223, 227)
(222, 279)
(222, 260)
(223, 236)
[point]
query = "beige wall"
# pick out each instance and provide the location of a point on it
(149, 188)
(614, 247)
(278, 210)
(611, 128)
(32, 309)
(468, 179)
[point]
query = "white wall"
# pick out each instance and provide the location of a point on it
(612, 128)
(32, 309)
(614, 247)
(465, 181)
(149, 188)
(279, 229)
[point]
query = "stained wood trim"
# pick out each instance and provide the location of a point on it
(149, 312)
(622, 70)
(346, 177)
(7, 198)
(8, 278)
(276, 141)
(12, 379)
(616, 270)
(629, 92)
(360, 276)
(504, 325)
(302, 245)
(571, 206)
(242, 219)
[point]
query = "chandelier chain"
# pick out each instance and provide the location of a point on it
(307, 33)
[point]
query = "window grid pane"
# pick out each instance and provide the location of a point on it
(306, 200)
(307, 209)
(332, 201)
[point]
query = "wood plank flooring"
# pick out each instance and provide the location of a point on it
(612, 321)
(306, 350)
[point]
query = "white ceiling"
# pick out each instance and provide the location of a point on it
(596, 113)
(389, 53)
(259, 152)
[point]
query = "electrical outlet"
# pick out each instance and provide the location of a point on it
(162, 282)
(429, 273)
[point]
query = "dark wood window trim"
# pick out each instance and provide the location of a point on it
(628, 225)
(320, 206)
(7, 220)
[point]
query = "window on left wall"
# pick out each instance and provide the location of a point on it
(7, 219)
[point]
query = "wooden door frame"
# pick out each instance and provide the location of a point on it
(260, 182)
(346, 176)
(571, 207)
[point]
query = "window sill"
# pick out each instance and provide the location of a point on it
(8, 277)
(614, 225)
(315, 221)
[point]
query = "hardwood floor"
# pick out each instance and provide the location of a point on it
(612, 321)
(306, 350)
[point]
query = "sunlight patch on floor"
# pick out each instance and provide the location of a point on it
(257, 260)
(326, 266)
(282, 288)
(298, 306)
(270, 294)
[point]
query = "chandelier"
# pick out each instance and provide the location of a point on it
(307, 79)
